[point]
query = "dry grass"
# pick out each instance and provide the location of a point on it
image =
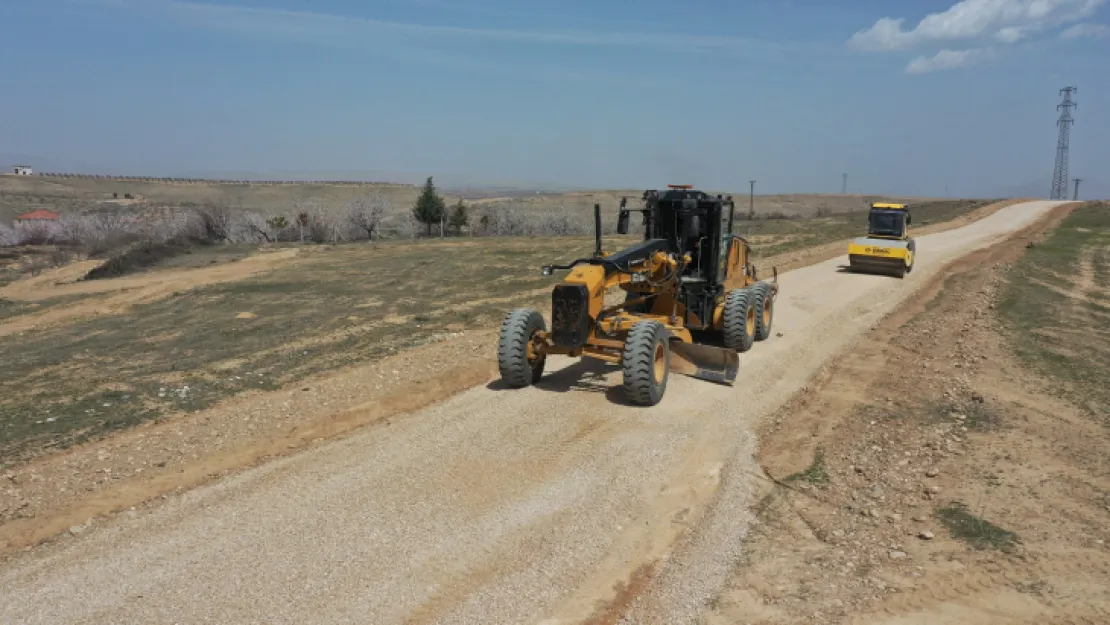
(70, 195)
(1057, 306)
(339, 306)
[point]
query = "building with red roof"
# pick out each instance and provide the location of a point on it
(38, 215)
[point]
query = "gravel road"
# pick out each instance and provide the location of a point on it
(497, 506)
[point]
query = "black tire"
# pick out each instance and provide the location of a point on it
(739, 319)
(764, 312)
(646, 363)
(512, 349)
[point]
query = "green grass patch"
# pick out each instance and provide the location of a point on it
(816, 473)
(15, 308)
(976, 532)
(1056, 305)
(9, 308)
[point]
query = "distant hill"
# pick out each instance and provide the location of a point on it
(1089, 189)
(80, 194)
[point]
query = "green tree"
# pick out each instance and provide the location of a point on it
(429, 208)
(459, 217)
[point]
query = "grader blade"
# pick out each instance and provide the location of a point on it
(705, 362)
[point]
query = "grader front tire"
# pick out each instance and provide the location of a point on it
(646, 363)
(518, 368)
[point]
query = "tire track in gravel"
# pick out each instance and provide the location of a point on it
(543, 504)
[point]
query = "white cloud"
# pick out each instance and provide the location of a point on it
(1086, 30)
(308, 26)
(945, 60)
(970, 20)
(1010, 35)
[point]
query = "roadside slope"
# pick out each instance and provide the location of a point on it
(968, 487)
(493, 506)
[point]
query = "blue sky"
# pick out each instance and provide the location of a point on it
(906, 97)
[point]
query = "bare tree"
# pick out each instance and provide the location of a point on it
(8, 236)
(257, 227)
(216, 220)
(303, 211)
(365, 213)
(38, 232)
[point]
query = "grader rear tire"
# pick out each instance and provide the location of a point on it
(740, 319)
(517, 369)
(764, 312)
(646, 363)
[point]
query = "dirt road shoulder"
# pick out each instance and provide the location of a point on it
(936, 474)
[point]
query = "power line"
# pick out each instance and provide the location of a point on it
(1060, 173)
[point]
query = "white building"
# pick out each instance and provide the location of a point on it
(22, 170)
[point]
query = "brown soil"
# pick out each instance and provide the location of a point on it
(931, 418)
(45, 497)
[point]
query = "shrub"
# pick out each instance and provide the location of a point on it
(140, 256)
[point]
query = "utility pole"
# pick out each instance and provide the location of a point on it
(1060, 173)
(751, 201)
(844, 184)
(1075, 196)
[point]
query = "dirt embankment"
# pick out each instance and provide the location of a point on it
(930, 477)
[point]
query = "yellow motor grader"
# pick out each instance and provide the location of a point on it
(690, 274)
